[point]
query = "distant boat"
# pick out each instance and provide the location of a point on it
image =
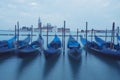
(33, 49)
(53, 48)
(74, 50)
(104, 51)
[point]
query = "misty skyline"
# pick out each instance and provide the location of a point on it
(98, 13)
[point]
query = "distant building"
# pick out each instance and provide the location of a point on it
(36, 29)
(24, 28)
(44, 28)
(98, 31)
(103, 31)
(62, 29)
(85, 31)
(50, 28)
(82, 30)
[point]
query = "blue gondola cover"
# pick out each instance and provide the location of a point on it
(56, 43)
(72, 42)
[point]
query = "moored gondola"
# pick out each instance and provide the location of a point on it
(103, 51)
(7, 47)
(53, 48)
(74, 48)
(32, 49)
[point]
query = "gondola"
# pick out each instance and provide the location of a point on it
(23, 43)
(32, 49)
(99, 40)
(53, 48)
(13, 46)
(7, 47)
(74, 48)
(107, 44)
(3, 43)
(103, 51)
(118, 37)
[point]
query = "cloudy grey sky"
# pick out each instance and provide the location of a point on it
(98, 13)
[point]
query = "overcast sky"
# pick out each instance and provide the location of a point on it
(99, 13)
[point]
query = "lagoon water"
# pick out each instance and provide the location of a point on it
(90, 67)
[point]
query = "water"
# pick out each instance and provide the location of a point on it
(90, 67)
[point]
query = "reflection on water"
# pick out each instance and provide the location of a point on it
(90, 67)
(8, 68)
(25, 62)
(112, 63)
(101, 68)
(49, 66)
(4, 58)
(75, 67)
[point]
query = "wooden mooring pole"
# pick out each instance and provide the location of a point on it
(117, 34)
(47, 33)
(112, 35)
(40, 26)
(64, 38)
(31, 33)
(15, 31)
(18, 30)
(92, 34)
(86, 36)
(77, 33)
(106, 35)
